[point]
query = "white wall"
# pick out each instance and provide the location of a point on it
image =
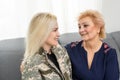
(111, 13)
(13, 18)
(16, 14)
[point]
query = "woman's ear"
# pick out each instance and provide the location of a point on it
(98, 30)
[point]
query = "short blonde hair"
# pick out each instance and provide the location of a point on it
(40, 27)
(97, 19)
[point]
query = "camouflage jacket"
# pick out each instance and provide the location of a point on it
(39, 67)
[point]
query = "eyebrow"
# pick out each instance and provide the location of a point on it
(78, 24)
(55, 28)
(83, 23)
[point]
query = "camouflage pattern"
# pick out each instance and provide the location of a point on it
(39, 67)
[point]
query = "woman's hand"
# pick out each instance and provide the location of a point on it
(21, 67)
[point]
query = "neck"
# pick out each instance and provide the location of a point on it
(47, 48)
(93, 45)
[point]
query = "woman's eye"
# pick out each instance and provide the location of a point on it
(79, 27)
(85, 25)
(54, 30)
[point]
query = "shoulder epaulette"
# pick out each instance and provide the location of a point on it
(73, 44)
(106, 47)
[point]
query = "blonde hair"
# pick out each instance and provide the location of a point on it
(97, 19)
(40, 27)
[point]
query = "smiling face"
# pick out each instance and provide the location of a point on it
(87, 29)
(52, 39)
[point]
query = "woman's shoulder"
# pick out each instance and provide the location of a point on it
(108, 49)
(73, 44)
(34, 59)
(59, 50)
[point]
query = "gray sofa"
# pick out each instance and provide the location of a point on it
(12, 50)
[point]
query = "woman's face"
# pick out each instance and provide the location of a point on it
(87, 29)
(52, 39)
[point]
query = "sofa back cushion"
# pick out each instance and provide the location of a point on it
(11, 54)
(69, 37)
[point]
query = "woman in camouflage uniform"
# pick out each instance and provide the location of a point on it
(44, 58)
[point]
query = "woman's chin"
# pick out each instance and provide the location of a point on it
(55, 44)
(84, 39)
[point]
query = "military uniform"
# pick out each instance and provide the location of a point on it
(39, 67)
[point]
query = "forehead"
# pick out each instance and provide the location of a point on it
(55, 26)
(85, 20)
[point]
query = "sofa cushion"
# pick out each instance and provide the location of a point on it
(10, 65)
(69, 37)
(11, 54)
(12, 44)
(116, 37)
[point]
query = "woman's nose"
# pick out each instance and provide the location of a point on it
(58, 33)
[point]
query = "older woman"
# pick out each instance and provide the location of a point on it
(91, 58)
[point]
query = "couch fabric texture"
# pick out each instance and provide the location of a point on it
(12, 50)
